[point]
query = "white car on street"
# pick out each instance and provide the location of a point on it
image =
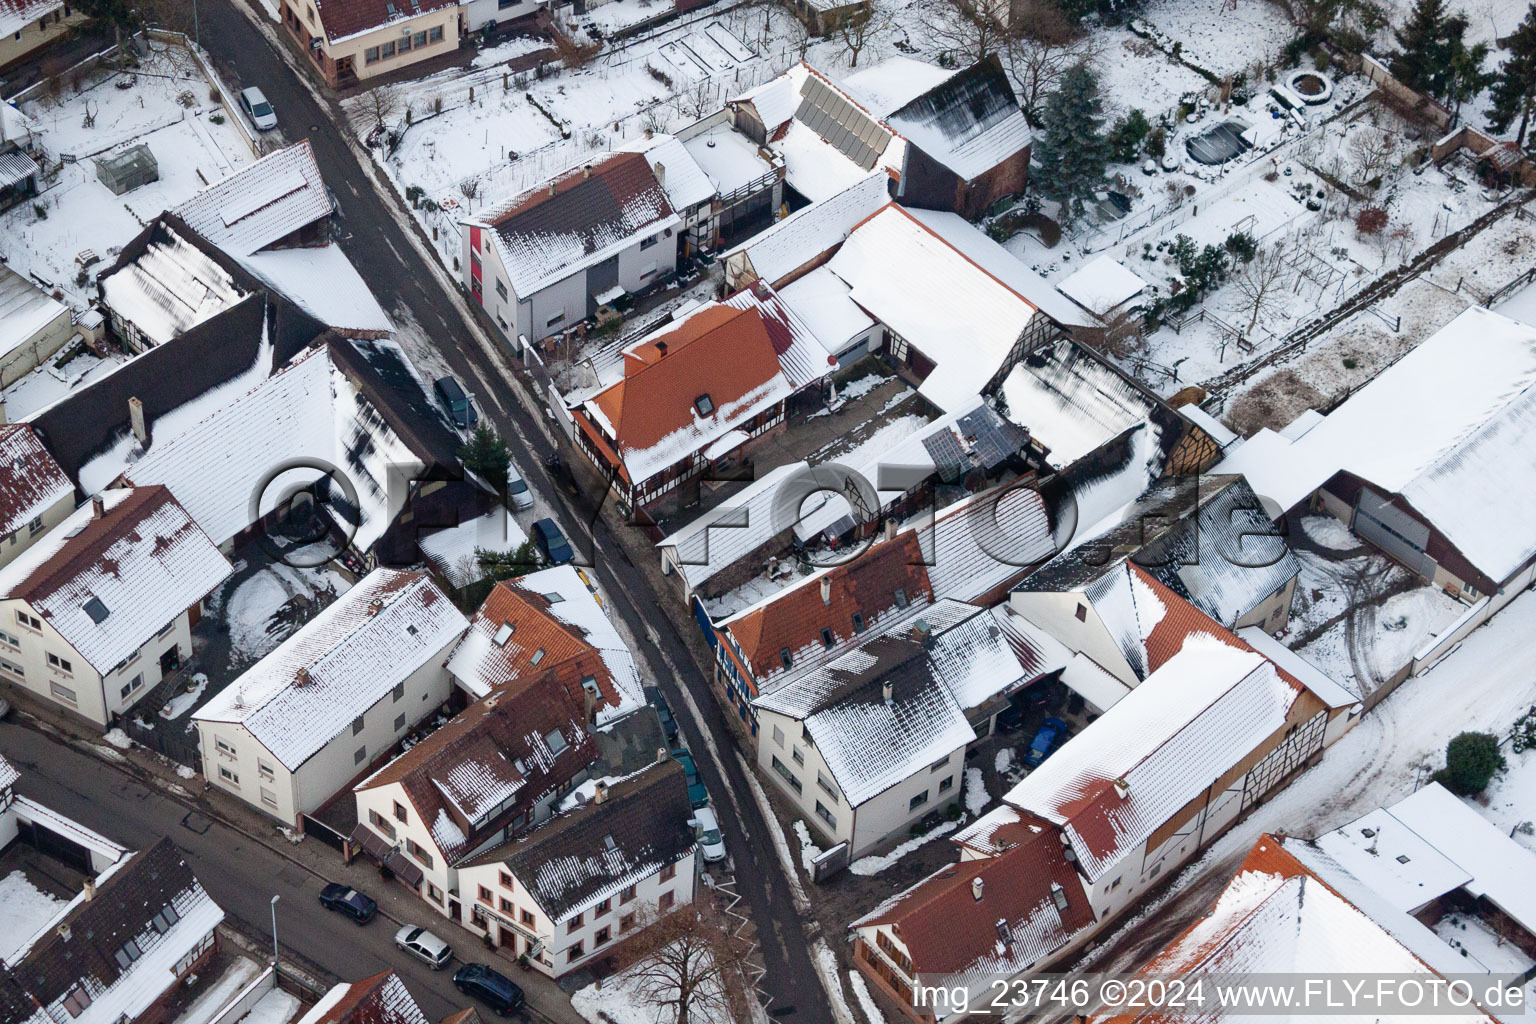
(711, 843)
(254, 102)
(424, 946)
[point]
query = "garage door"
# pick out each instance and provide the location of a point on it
(1393, 531)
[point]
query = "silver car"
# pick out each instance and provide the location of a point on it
(254, 102)
(424, 946)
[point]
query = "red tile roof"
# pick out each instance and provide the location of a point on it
(344, 18)
(30, 479)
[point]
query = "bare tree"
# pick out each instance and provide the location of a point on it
(1122, 331)
(1372, 152)
(968, 29)
(1261, 283)
(1046, 44)
(695, 99)
(381, 104)
(692, 961)
(858, 28)
(469, 188)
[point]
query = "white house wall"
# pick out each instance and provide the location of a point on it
(568, 295)
(478, 12)
(1056, 614)
(24, 536)
(382, 801)
(37, 675)
(259, 778)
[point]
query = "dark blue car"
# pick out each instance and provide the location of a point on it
(346, 900)
(551, 542)
(1052, 731)
(497, 991)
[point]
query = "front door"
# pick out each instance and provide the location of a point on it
(170, 661)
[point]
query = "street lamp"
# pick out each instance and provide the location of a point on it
(275, 898)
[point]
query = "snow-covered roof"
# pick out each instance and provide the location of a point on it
(25, 310)
(31, 482)
(311, 409)
(16, 15)
(1403, 867)
(380, 999)
(1128, 772)
(1451, 427)
(1072, 401)
(824, 302)
(672, 162)
(804, 235)
(1102, 286)
(813, 166)
(581, 217)
(537, 622)
(347, 19)
(986, 541)
(452, 551)
(1217, 430)
(339, 664)
(109, 583)
(894, 82)
(730, 159)
(171, 287)
(323, 282)
(13, 123)
(732, 529)
(1323, 686)
(260, 203)
(970, 121)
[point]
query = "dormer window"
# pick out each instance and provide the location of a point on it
(826, 638)
(901, 598)
(704, 404)
(787, 658)
(858, 622)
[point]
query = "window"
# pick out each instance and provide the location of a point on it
(400, 812)
(798, 756)
(224, 747)
(626, 894)
(435, 35)
(778, 736)
(399, 722)
(666, 901)
(13, 668)
(387, 50)
(555, 319)
(575, 923)
(501, 288)
(381, 823)
(787, 658)
(434, 893)
(626, 923)
(264, 768)
(399, 692)
(415, 850)
(946, 783)
(35, 525)
(420, 39)
(404, 44)
(485, 895)
(858, 622)
(827, 785)
(901, 598)
(507, 906)
(77, 1000)
(576, 952)
(825, 815)
(133, 684)
(14, 641)
(166, 918)
(787, 775)
(63, 693)
(826, 638)
(30, 621)
(669, 872)
(555, 741)
(917, 801)
(127, 953)
(704, 404)
(228, 776)
(506, 880)
(62, 664)
(648, 241)
(603, 935)
(360, 756)
(602, 908)
(268, 797)
(357, 725)
(527, 918)
(938, 765)
(1082, 613)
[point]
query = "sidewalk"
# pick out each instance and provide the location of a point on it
(396, 904)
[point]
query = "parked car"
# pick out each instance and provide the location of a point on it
(1050, 734)
(1011, 718)
(424, 946)
(517, 490)
(254, 102)
(711, 843)
(654, 698)
(346, 900)
(551, 542)
(698, 796)
(457, 404)
(496, 990)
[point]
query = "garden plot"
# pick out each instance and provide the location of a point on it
(1510, 800)
(1220, 36)
(1133, 74)
(164, 105)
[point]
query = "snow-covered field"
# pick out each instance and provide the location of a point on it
(24, 908)
(624, 998)
(1510, 800)
(167, 108)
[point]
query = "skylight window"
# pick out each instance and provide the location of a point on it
(554, 598)
(554, 741)
(538, 656)
(503, 634)
(704, 404)
(1402, 858)
(826, 637)
(97, 610)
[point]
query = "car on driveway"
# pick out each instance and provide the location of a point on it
(424, 946)
(254, 102)
(698, 796)
(346, 900)
(1047, 738)
(551, 542)
(711, 843)
(496, 990)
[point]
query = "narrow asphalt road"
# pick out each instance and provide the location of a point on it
(377, 244)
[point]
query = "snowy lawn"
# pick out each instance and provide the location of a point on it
(1510, 800)
(623, 999)
(167, 108)
(873, 865)
(1477, 941)
(24, 910)
(254, 611)
(1330, 533)
(74, 367)
(187, 700)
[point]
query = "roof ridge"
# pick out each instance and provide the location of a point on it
(114, 520)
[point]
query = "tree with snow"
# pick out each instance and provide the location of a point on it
(1045, 46)
(1514, 86)
(1072, 150)
(858, 28)
(1433, 40)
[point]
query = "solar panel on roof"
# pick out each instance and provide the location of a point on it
(948, 458)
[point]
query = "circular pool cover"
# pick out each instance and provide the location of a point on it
(1219, 144)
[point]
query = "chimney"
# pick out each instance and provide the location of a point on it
(976, 889)
(98, 507)
(826, 590)
(661, 755)
(551, 188)
(649, 133)
(301, 677)
(661, 350)
(890, 529)
(586, 172)
(922, 632)
(599, 791)
(375, 606)
(136, 418)
(90, 889)
(661, 173)
(3, 419)
(1122, 787)
(885, 691)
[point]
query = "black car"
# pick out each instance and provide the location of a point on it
(456, 403)
(654, 698)
(347, 900)
(551, 542)
(497, 991)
